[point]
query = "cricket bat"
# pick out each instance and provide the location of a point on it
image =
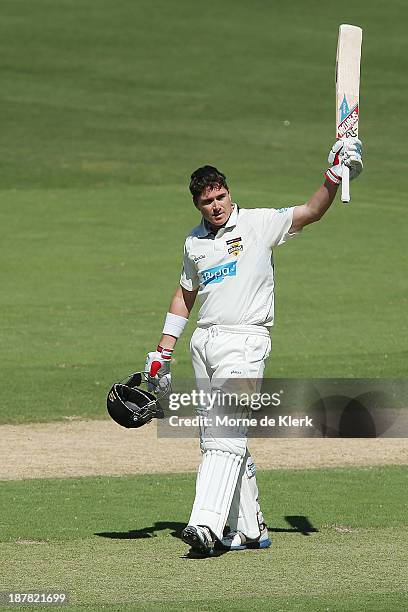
(347, 91)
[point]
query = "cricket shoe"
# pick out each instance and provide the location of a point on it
(199, 538)
(236, 540)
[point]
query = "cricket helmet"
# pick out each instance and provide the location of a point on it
(131, 406)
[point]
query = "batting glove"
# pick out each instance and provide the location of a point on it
(158, 369)
(348, 152)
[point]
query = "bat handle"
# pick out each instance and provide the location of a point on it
(345, 185)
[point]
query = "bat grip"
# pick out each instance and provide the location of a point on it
(345, 185)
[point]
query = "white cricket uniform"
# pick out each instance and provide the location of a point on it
(234, 274)
(233, 269)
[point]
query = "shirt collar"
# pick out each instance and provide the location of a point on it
(204, 229)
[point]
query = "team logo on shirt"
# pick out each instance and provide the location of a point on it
(235, 246)
(217, 274)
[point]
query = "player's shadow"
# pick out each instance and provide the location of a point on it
(217, 552)
(298, 524)
(146, 532)
(151, 532)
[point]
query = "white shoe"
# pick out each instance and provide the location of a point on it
(236, 540)
(199, 538)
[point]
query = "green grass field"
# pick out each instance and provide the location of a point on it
(107, 108)
(115, 542)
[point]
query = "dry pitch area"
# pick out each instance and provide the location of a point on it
(100, 447)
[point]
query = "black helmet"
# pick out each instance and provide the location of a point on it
(131, 406)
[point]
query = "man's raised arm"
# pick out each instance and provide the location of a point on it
(315, 207)
(344, 152)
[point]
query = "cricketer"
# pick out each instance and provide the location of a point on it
(228, 266)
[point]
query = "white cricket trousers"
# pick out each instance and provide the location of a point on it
(228, 360)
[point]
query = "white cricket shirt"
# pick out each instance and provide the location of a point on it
(233, 269)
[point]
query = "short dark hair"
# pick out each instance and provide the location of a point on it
(206, 176)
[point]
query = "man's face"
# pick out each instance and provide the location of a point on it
(215, 205)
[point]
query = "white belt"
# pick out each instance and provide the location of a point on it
(257, 330)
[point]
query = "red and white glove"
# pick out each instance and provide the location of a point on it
(158, 369)
(345, 152)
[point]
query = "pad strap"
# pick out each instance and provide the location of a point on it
(245, 513)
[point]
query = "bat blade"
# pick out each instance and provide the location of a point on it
(348, 90)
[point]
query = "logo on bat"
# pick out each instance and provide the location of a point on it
(348, 119)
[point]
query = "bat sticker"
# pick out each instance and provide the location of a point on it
(348, 120)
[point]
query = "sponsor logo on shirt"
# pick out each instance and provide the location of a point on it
(282, 210)
(198, 257)
(235, 246)
(217, 274)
